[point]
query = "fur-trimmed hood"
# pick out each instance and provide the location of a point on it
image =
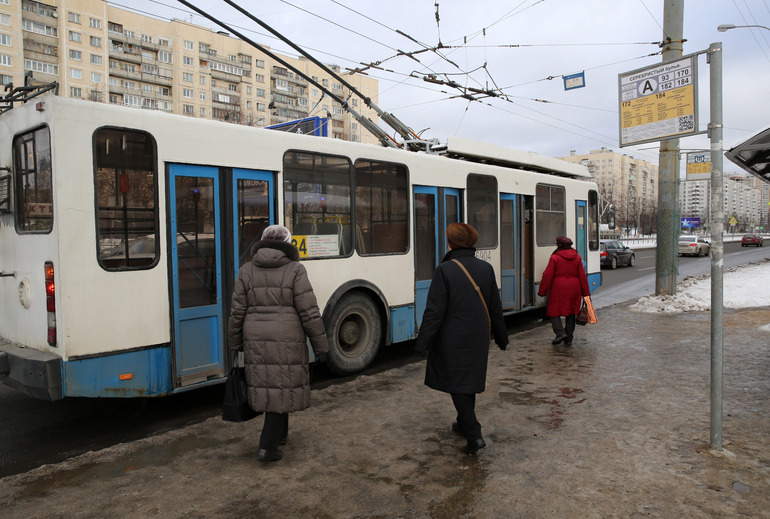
(273, 253)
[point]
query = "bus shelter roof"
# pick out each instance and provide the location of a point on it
(753, 155)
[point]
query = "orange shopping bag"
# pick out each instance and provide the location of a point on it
(591, 311)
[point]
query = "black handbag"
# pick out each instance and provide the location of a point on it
(582, 316)
(236, 406)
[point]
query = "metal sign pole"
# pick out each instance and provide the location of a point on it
(717, 245)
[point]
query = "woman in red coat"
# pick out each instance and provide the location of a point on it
(565, 283)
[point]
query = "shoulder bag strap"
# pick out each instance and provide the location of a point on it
(478, 291)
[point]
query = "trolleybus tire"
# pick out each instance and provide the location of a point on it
(354, 332)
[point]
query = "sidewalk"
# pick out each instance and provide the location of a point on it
(616, 426)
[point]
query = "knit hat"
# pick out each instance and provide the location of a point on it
(461, 236)
(277, 233)
(563, 242)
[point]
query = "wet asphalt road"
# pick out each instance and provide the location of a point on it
(34, 432)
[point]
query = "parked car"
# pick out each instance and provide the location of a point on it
(752, 239)
(693, 246)
(614, 253)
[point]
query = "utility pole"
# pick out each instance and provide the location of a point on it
(666, 257)
(717, 245)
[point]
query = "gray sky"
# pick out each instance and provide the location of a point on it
(604, 38)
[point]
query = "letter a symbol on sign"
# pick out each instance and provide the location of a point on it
(647, 86)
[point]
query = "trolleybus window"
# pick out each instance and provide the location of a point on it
(550, 216)
(482, 208)
(34, 189)
(593, 222)
(381, 208)
(317, 205)
(126, 199)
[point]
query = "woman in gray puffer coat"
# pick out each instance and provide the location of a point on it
(273, 311)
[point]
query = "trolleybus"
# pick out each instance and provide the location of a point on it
(122, 231)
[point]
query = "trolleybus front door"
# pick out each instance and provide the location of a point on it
(434, 209)
(580, 231)
(196, 259)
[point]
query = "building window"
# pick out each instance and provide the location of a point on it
(550, 213)
(147, 38)
(260, 63)
(187, 60)
(203, 80)
(5, 79)
(126, 199)
(76, 92)
(76, 55)
(187, 109)
(96, 59)
(593, 222)
(5, 39)
(96, 41)
(381, 203)
(6, 60)
(188, 45)
(94, 23)
(34, 186)
(187, 92)
(5, 19)
(260, 92)
(317, 190)
(186, 76)
(203, 96)
(203, 112)
(74, 36)
(163, 42)
(76, 73)
(96, 77)
(482, 208)
(260, 78)
(39, 66)
(164, 56)
(261, 107)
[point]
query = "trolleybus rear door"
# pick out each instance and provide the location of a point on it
(196, 259)
(509, 244)
(434, 209)
(252, 211)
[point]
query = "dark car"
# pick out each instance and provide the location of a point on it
(752, 239)
(614, 253)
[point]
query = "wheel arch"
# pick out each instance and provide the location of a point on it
(363, 287)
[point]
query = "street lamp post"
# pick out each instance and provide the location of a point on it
(727, 26)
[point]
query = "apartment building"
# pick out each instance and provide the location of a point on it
(745, 202)
(102, 53)
(629, 184)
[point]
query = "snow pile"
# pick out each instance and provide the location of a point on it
(743, 287)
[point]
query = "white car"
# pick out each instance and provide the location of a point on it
(693, 246)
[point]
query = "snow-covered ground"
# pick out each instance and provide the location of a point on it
(743, 287)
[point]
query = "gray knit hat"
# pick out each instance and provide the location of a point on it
(277, 233)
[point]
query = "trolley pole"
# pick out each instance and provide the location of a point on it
(666, 258)
(717, 245)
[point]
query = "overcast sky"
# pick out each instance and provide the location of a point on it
(604, 38)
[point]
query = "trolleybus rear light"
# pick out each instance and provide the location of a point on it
(50, 302)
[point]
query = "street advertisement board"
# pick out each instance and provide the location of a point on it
(659, 102)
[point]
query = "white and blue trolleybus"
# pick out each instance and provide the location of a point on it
(122, 231)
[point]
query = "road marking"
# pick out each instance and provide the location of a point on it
(648, 268)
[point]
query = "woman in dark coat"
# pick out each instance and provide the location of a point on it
(565, 282)
(273, 311)
(456, 332)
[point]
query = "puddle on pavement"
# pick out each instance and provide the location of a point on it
(554, 419)
(153, 455)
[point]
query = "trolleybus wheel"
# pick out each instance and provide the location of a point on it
(354, 332)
